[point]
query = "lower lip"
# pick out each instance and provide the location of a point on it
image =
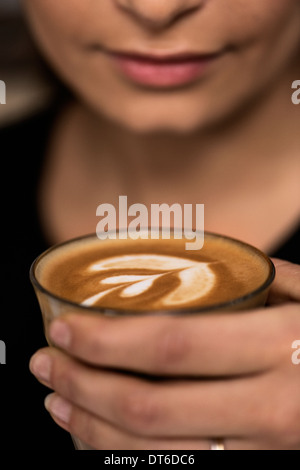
(163, 74)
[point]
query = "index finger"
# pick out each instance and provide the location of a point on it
(224, 344)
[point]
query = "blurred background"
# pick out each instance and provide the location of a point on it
(29, 85)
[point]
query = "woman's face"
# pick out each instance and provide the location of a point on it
(175, 65)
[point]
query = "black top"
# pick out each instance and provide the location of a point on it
(24, 423)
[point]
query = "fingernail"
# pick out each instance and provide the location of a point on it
(59, 407)
(40, 366)
(60, 333)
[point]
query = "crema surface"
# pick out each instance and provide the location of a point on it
(151, 274)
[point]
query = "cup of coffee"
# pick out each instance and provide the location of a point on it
(146, 276)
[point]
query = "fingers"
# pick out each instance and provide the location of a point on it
(286, 287)
(248, 408)
(230, 344)
(101, 435)
(98, 434)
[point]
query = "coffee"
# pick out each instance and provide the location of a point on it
(152, 275)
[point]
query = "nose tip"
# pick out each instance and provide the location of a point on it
(158, 13)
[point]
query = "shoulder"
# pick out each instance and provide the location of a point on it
(33, 130)
(23, 147)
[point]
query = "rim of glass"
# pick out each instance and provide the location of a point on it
(119, 311)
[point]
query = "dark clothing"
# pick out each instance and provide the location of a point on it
(24, 423)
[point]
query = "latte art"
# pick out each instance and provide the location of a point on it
(195, 279)
(150, 275)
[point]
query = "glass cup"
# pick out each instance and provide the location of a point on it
(53, 306)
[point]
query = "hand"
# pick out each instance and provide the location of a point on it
(223, 375)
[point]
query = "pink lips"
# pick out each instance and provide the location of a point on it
(163, 71)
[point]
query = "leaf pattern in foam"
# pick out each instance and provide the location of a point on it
(196, 278)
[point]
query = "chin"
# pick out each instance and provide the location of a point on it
(181, 112)
(149, 120)
(159, 126)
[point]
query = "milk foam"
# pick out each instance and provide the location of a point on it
(195, 279)
(151, 275)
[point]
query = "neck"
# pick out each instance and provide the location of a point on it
(242, 170)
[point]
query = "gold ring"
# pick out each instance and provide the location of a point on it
(217, 444)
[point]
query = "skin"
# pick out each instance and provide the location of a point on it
(242, 98)
(252, 34)
(137, 136)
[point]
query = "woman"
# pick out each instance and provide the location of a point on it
(185, 101)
